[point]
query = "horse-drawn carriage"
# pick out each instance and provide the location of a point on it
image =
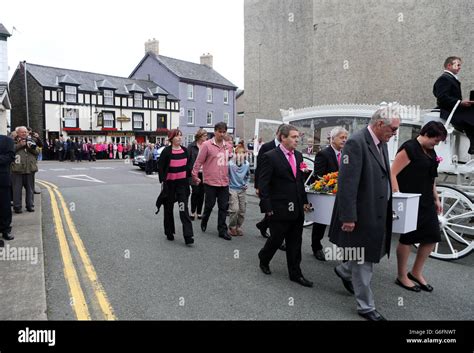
(455, 183)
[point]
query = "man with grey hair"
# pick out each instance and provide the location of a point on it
(23, 169)
(362, 216)
(7, 156)
(327, 161)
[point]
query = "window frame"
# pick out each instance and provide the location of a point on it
(193, 116)
(66, 94)
(190, 97)
(133, 121)
(135, 100)
(104, 120)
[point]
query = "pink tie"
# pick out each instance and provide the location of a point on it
(339, 158)
(292, 161)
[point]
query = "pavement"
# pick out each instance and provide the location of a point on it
(22, 277)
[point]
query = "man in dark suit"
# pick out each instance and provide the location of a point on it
(327, 161)
(263, 224)
(447, 90)
(283, 199)
(361, 223)
(7, 157)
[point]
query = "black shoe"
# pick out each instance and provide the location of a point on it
(282, 247)
(425, 287)
(17, 210)
(193, 217)
(319, 255)
(373, 315)
(303, 281)
(8, 236)
(170, 237)
(347, 284)
(203, 226)
(199, 217)
(225, 236)
(265, 268)
(2, 244)
(415, 288)
(263, 230)
(31, 209)
(37, 192)
(189, 241)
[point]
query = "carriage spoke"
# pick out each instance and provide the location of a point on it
(456, 236)
(436, 248)
(464, 215)
(452, 207)
(449, 241)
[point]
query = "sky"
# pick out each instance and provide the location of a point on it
(108, 37)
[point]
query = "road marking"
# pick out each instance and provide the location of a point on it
(130, 171)
(97, 287)
(79, 302)
(58, 169)
(155, 176)
(102, 168)
(82, 177)
(80, 168)
(99, 291)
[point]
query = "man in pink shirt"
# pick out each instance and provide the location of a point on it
(213, 157)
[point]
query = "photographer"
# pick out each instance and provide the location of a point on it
(7, 155)
(23, 169)
(35, 137)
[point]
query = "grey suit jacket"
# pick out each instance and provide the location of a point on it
(363, 197)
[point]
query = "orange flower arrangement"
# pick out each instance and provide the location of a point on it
(326, 184)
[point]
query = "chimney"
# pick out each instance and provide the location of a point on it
(207, 59)
(152, 46)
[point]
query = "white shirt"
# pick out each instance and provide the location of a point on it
(449, 72)
(277, 143)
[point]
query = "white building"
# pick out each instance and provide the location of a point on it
(4, 97)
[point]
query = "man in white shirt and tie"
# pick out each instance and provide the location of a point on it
(327, 161)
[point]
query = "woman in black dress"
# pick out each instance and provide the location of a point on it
(414, 170)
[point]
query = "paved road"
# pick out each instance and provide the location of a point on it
(144, 276)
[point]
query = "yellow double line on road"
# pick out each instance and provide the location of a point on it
(79, 302)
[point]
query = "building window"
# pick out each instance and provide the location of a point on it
(71, 118)
(190, 139)
(190, 92)
(161, 102)
(138, 100)
(209, 94)
(209, 118)
(226, 97)
(109, 119)
(162, 121)
(226, 118)
(190, 114)
(137, 121)
(71, 94)
(108, 97)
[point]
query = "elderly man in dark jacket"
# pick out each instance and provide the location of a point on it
(362, 216)
(7, 156)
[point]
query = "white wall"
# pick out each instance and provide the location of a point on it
(3, 61)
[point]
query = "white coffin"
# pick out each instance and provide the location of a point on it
(322, 204)
(405, 209)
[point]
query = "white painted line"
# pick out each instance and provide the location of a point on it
(102, 168)
(152, 176)
(41, 170)
(139, 173)
(58, 169)
(80, 168)
(82, 177)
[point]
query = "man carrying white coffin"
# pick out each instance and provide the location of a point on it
(362, 216)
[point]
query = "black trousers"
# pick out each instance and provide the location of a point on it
(5, 209)
(291, 232)
(177, 191)
(317, 235)
(264, 223)
(197, 196)
(149, 167)
(221, 194)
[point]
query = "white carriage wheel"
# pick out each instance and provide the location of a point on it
(456, 225)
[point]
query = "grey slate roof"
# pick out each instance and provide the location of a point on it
(192, 71)
(3, 31)
(49, 76)
(3, 87)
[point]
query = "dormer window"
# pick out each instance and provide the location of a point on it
(161, 102)
(108, 97)
(138, 100)
(71, 94)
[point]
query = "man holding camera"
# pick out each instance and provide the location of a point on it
(23, 169)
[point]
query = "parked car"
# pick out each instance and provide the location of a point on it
(140, 162)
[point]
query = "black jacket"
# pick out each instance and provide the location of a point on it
(7, 157)
(264, 149)
(280, 191)
(447, 91)
(325, 162)
(193, 151)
